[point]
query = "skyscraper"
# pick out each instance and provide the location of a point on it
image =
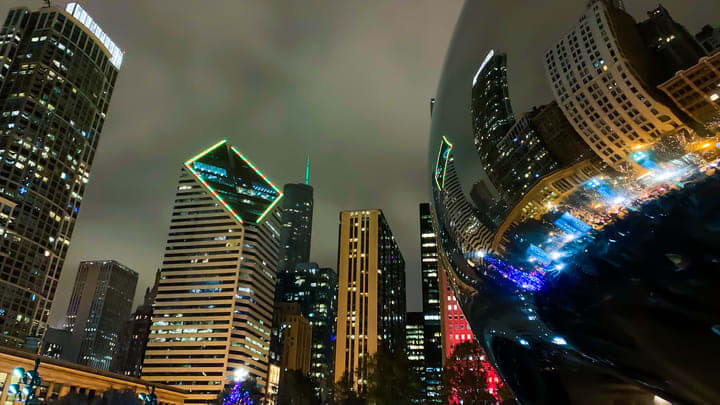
(101, 301)
(134, 334)
(57, 74)
(315, 289)
(432, 337)
(492, 113)
(297, 214)
(415, 339)
(296, 337)
(605, 90)
(371, 293)
(213, 311)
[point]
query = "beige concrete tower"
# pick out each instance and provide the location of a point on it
(371, 293)
(213, 311)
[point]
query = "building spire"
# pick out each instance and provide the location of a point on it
(307, 171)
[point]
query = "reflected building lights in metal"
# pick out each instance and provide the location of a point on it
(582, 236)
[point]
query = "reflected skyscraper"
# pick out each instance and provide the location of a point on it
(57, 74)
(214, 307)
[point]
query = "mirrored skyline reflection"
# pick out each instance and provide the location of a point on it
(580, 227)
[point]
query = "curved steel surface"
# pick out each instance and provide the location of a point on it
(587, 279)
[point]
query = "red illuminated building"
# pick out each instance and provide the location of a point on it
(456, 330)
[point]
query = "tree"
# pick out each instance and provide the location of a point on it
(345, 393)
(296, 389)
(465, 377)
(392, 381)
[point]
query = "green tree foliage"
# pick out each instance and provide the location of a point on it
(392, 381)
(296, 389)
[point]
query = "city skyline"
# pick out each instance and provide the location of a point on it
(139, 205)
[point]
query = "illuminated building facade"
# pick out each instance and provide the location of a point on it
(605, 89)
(214, 307)
(697, 91)
(415, 338)
(492, 114)
(462, 218)
(455, 328)
(100, 302)
(432, 337)
(371, 293)
(709, 38)
(57, 74)
(315, 289)
(522, 159)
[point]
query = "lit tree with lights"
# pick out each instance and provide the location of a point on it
(244, 392)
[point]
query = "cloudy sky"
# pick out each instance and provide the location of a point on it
(348, 82)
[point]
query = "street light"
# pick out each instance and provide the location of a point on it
(240, 374)
(28, 381)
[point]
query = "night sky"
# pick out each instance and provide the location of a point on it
(348, 82)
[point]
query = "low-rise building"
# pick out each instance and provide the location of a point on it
(59, 378)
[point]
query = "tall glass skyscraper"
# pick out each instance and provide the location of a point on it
(432, 339)
(315, 289)
(297, 214)
(214, 307)
(57, 73)
(101, 301)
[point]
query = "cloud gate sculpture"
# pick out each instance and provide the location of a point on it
(573, 166)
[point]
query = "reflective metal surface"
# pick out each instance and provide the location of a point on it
(586, 259)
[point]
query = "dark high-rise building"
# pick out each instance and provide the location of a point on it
(432, 336)
(297, 214)
(672, 45)
(371, 293)
(415, 339)
(558, 136)
(709, 38)
(57, 73)
(492, 113)
(101, 301)
(133, 337)
(315, 289)
(522, 159)
(56, 344)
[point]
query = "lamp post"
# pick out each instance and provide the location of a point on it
(28, 381)
(149, 398)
